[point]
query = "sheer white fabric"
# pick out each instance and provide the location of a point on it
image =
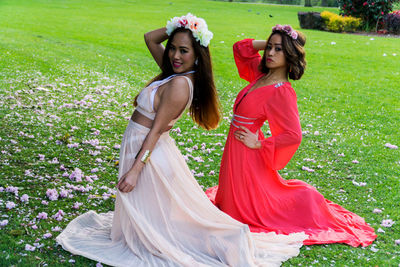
(167, 220)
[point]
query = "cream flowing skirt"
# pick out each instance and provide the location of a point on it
(167, 220)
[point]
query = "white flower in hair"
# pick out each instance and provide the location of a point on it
(197, 26)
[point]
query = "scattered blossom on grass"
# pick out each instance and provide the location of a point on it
(76, 175)
(388, 145)
(355, 161)
(28, 173)
(42, 216)
(380, 230)
(387, 223)
(374, 249)
(3, 223)
(397, 241)
(41, 156)
(52, 194)
(94, 153)
(76, 205)
(12, 189)
(56, 229)
(94, 142)
(304, 168)
(29, 247)
(73, 145)
(54, 161)
(377, 211)
(24, 198)
(359, 183)
(64, 193)
(47, 235)
(59, 215)
(90, 178)
(10, 205)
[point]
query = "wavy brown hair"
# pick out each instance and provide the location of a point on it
(294, 53)
(205, 107)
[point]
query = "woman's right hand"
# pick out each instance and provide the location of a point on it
(128, 181)
(248, 138)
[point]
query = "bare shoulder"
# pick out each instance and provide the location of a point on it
(177, 89)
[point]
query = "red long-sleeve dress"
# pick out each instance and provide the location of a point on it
(250, 187)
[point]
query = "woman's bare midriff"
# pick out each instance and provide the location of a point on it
(143, 120)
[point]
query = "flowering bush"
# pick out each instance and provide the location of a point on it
(338, 23)
(370, 11)
(392, 22)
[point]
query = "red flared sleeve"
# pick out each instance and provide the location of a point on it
(247, 59)
(284, 123)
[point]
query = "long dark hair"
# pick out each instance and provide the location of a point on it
(294, 53)
(205, 108)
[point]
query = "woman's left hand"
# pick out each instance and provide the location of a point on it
(248, 138)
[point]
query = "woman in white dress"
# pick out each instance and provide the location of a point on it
(162, 216)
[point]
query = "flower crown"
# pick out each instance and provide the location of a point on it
(286, 29)
(198, 26)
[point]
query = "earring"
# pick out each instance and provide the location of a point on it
(196, 61)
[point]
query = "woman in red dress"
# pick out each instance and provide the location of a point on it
(250, 187)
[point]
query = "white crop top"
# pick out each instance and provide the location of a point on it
(145, 100)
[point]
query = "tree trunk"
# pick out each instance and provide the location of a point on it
(307, 3)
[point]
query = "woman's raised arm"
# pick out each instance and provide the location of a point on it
(259, 44)
(154, 41)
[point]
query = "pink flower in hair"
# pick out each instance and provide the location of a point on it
(294, 35)
(287, 28)
(278, 27)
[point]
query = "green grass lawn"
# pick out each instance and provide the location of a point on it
(70, 69)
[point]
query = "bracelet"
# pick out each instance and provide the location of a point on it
(146, 156)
